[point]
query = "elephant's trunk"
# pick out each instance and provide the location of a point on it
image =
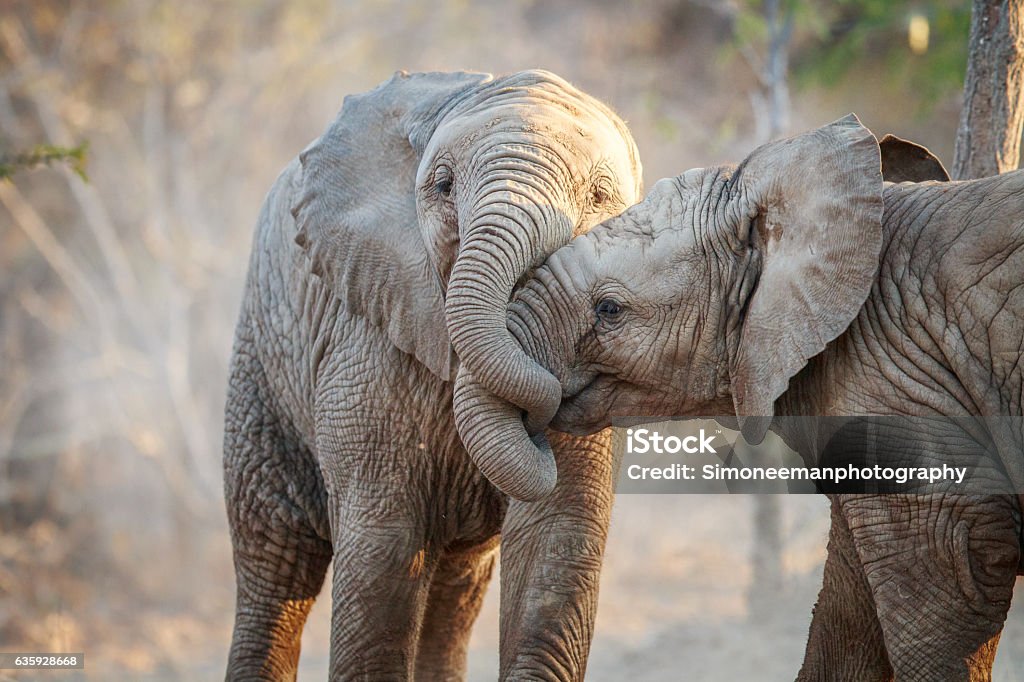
(507, 235)
(501, 244)
(514, 455)
(494, 435)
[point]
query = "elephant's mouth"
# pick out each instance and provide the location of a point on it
(584, 407)
(578, 383)
(607, 397)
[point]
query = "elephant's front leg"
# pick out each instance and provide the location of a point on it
(551, 563)
(383, 561)
(456, 595)
(845, 643)
(941, 569)
(382, 573)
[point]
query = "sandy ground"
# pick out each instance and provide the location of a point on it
(674, 598)
(673, 605)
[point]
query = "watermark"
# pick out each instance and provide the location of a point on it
(642, 441)
(873, 454)
(42, 661)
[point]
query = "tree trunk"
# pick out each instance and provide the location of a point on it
(768, 579)
(989, 136)
(780, 30)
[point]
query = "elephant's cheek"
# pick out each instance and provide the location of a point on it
(584, 414)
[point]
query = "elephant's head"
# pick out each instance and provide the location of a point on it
(707, 297)
(429, 198)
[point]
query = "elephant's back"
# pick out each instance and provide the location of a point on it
(961, 246)
(284, 307)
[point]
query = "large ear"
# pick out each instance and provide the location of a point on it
(905, 161)
(816, 202)
(356, 210)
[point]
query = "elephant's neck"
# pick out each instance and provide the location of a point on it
(897, 356)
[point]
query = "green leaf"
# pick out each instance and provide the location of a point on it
(45, 155)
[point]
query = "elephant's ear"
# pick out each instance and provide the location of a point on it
(816, 202)
(905, 161)
(356, 210)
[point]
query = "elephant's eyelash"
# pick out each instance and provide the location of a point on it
(602, 192)
(444, 181)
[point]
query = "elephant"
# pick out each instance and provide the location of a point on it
(800, 282)
(383, 261)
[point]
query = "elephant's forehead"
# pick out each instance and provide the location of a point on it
(665, 210)
(650, 238)
(548, 92)
(543, 121)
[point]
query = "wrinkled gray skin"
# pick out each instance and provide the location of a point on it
(783, 286)
(386, 251)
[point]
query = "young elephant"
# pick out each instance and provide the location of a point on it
(798, 284)
(417, 211)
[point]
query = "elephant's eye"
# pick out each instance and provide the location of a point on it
(444, 181)
(601, 193)
(608, 309)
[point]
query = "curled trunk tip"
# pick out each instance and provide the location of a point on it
(521, 466)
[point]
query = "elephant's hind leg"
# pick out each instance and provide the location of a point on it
(942, 569)
(456, 594)
(274, 496)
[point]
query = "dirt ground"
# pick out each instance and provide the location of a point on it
(674, 603)
(674, 598)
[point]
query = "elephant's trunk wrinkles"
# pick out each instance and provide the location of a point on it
(493, 433)
(503, 240)
(496, 253)
(493, 429)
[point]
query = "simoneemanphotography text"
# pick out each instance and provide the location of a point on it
(650, 442)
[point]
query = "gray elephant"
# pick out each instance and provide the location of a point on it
(798, 283)
(415, 215)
